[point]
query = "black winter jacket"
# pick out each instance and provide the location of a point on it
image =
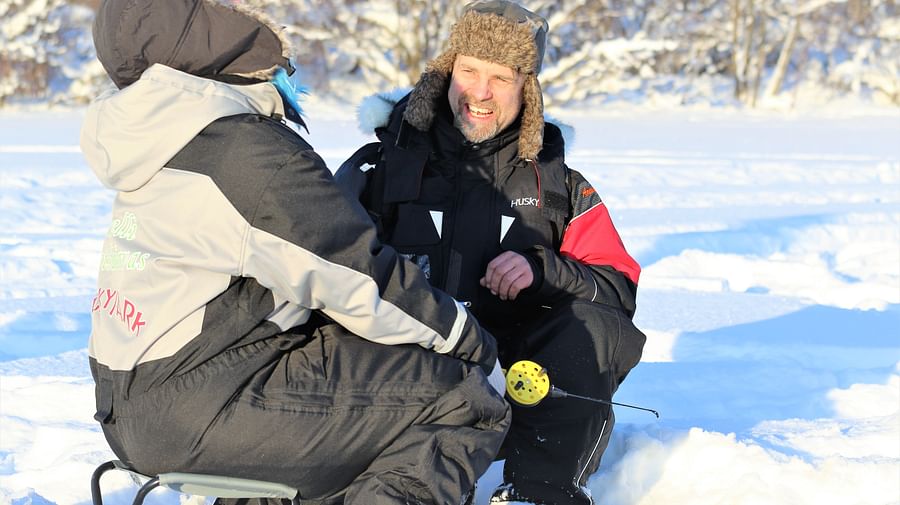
(452, 206)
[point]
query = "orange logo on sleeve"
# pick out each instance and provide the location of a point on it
(586, 192)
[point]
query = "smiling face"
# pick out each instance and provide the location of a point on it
(485, 97)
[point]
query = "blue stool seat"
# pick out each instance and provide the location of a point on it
(195, 484)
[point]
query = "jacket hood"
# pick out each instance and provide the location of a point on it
(206, 38)
(130, 134)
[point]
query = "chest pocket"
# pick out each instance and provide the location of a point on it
(417, 225)
(521, 229)
(526, 221)
(417, 237)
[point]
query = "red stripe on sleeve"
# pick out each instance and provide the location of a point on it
(591, 238)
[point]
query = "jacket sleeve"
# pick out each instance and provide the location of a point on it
(350, 176)
(316, 247)
(592, 262)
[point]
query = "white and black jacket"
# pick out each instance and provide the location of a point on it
(227, 229)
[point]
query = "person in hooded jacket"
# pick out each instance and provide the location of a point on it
(247, 321)
(470, 183)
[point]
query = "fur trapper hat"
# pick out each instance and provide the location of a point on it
(500, 32)
(201, 37)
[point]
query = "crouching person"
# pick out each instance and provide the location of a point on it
(472, 185)
(247, 321)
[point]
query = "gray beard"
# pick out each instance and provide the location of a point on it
(475, 134)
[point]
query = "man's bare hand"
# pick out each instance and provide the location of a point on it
(507, 275)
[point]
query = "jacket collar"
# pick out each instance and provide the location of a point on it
(383, 112)
(448, 141)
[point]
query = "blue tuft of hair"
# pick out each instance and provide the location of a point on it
(289, 91)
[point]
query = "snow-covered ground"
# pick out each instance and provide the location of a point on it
(770, 295)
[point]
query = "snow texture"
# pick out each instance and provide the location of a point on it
(770, 296)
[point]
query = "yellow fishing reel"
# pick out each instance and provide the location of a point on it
(527, 383)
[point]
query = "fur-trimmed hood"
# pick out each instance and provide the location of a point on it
(203, 38)
(374, 112)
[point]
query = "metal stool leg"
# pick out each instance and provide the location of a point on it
(142, 493)
(96, 495)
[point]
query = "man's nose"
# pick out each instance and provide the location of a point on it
(481, 89)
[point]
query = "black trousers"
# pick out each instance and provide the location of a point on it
(552, 448)
(342, 419)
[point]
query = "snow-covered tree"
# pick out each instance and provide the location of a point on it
(46, 51)
(349, 47)
(680, 51)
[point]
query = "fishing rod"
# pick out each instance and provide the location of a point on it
(527, 383)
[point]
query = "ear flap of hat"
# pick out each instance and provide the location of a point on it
(531, 135)
(431, 88)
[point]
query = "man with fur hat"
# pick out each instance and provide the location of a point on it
(470, 183)
(247, 322)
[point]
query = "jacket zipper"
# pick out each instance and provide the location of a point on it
(537, 175)
(448, 250)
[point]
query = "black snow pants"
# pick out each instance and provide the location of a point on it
(552, 448)
(340, 418)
